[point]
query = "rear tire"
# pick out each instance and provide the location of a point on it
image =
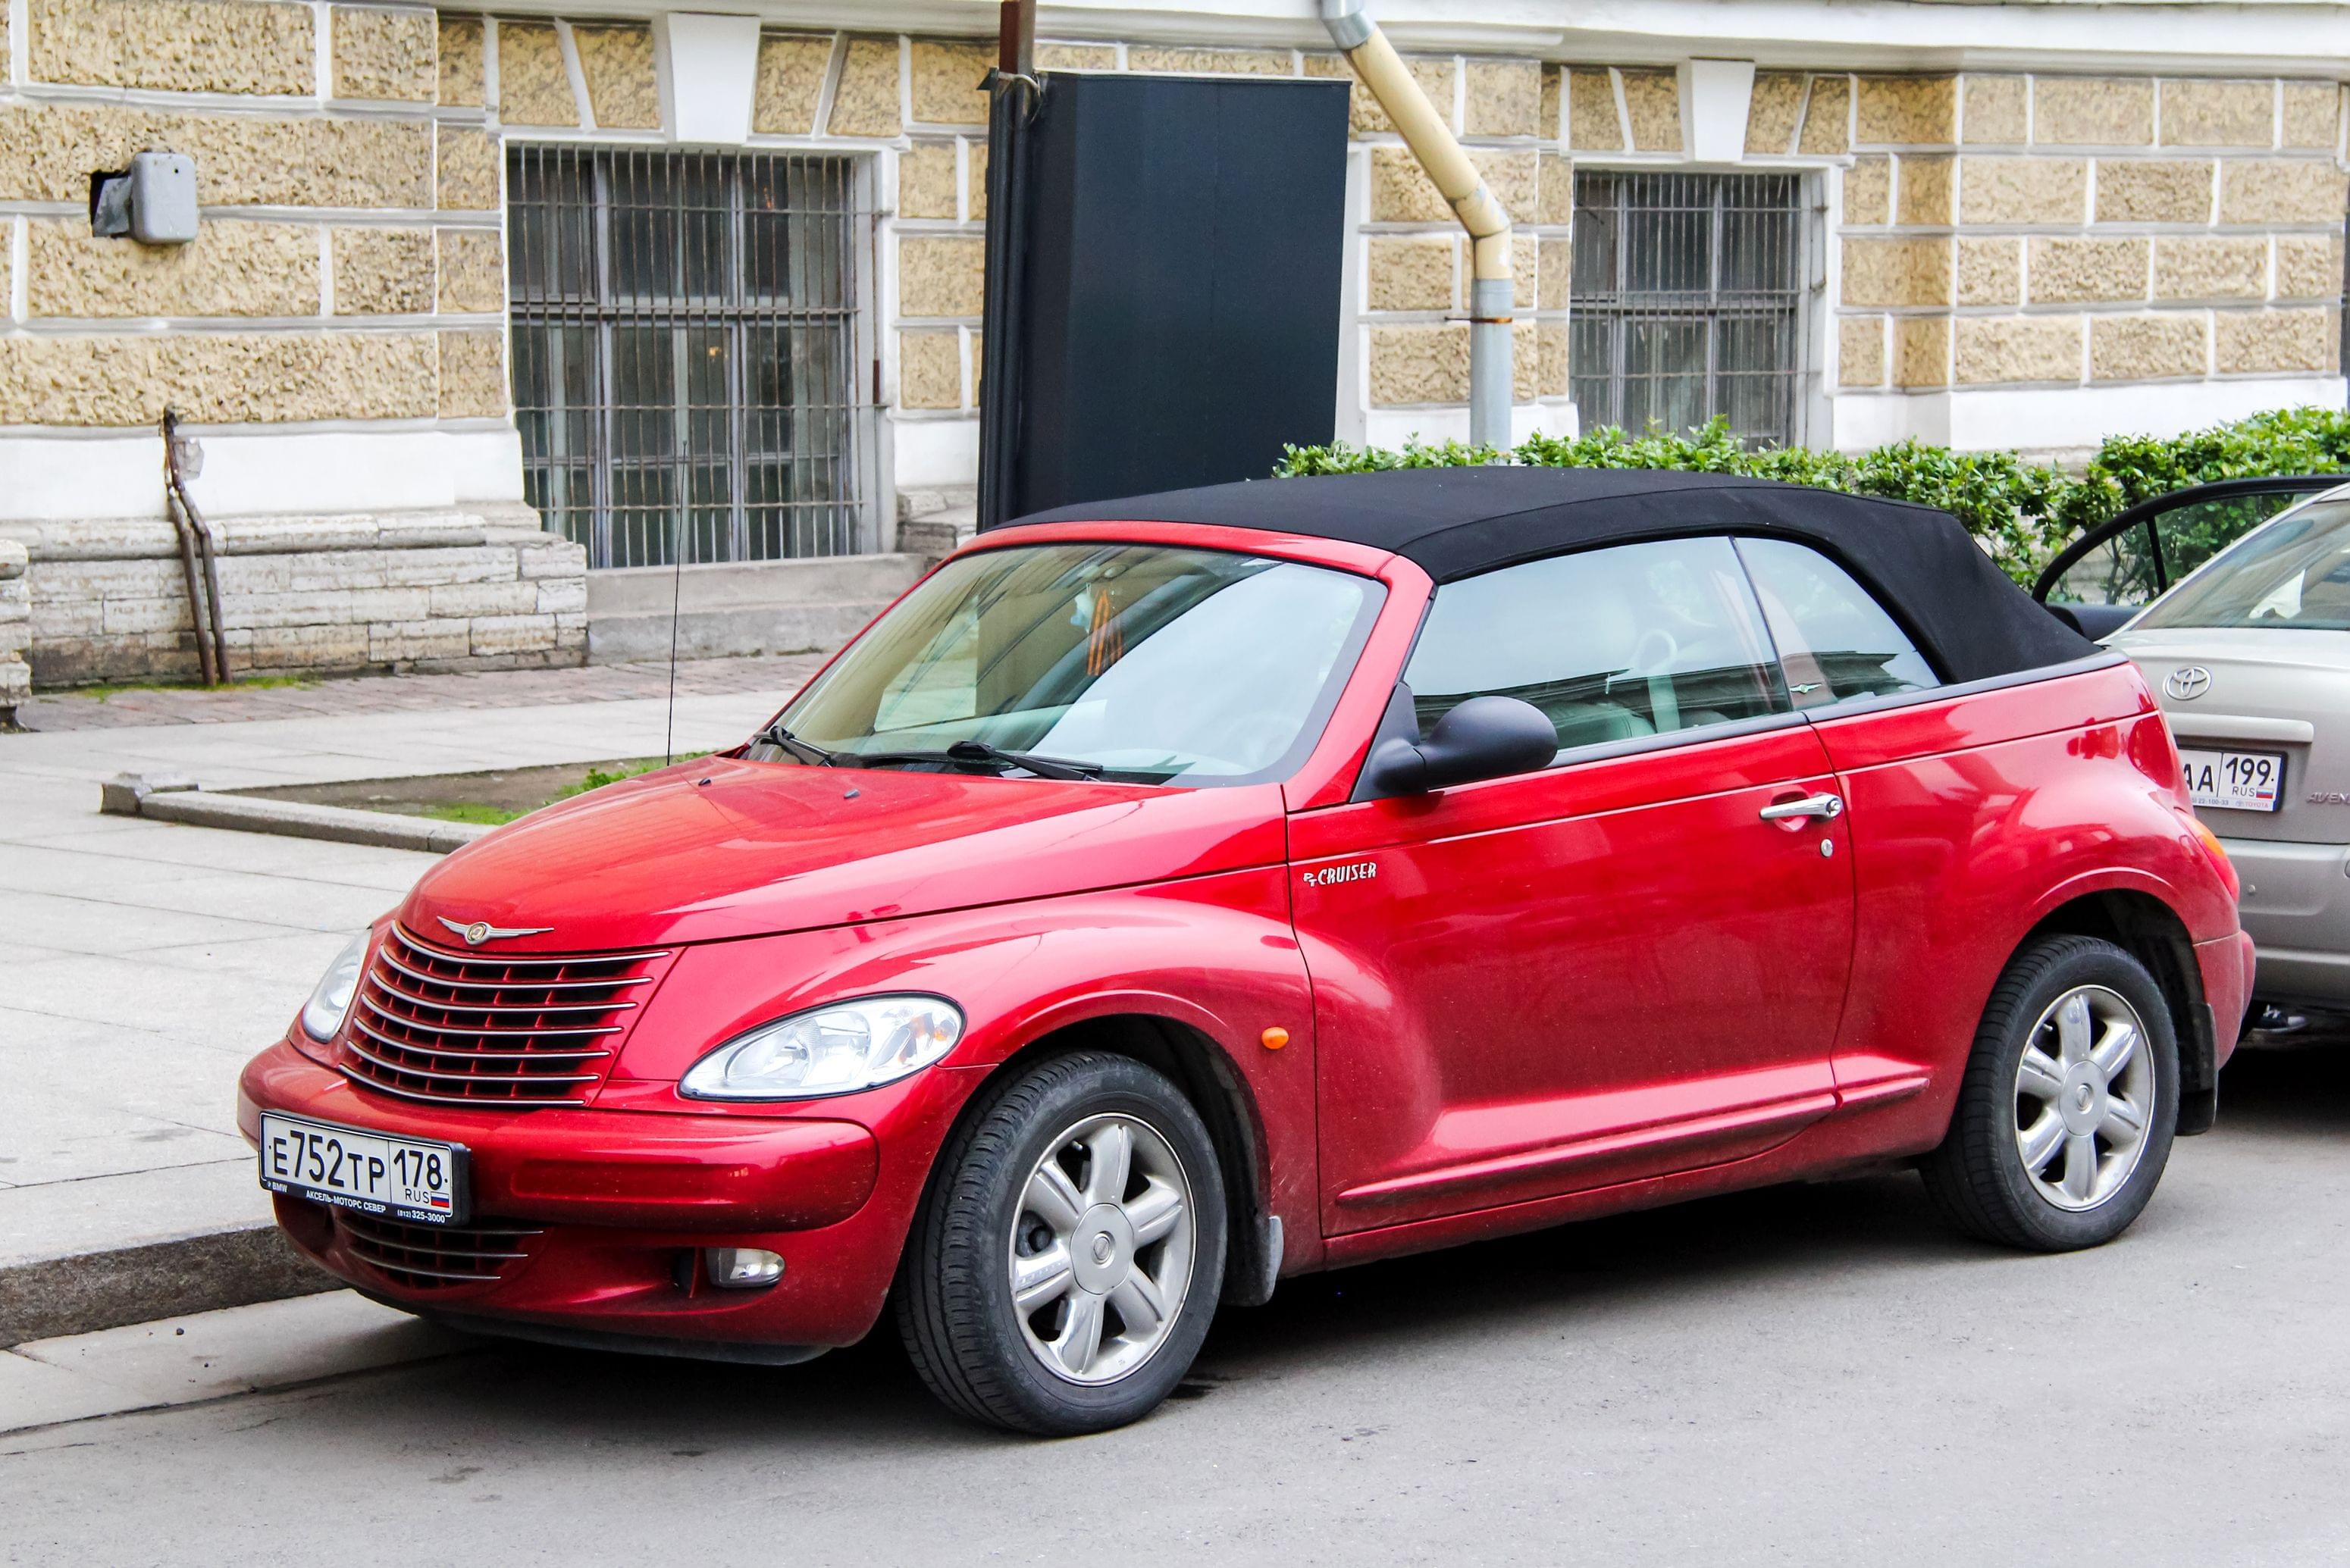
(1069, 1252)
(2066, 1113)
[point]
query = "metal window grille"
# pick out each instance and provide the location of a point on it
(1691, 301)
(686, 347)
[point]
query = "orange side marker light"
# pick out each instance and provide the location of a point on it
(1274, 1038)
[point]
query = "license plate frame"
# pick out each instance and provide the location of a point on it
(291, 1143)
(2233, 780)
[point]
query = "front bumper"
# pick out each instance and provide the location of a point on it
(617, 1205)
(2296, 908)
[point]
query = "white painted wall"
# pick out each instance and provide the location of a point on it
(2056, 418)
(247, 473)
(932, 452)
(1393, 426)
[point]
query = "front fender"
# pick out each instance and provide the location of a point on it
(1214, 954)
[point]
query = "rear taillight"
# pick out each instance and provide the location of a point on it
(2215, 852)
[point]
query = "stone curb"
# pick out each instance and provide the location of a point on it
(47, 1297)
(170, 799)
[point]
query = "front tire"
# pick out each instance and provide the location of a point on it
(1070, 1252)
(2066, 1117)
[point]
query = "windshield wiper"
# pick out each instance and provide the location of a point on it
(808, 751)
(968, 753)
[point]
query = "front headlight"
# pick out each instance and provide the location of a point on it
(836, 1049)
(323, 1014)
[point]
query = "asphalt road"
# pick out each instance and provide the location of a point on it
(1810, 1375)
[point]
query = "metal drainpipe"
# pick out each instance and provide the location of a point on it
(1493, 288)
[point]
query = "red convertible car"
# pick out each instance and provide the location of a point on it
(1168, 896)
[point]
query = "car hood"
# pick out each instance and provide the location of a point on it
(720, 848)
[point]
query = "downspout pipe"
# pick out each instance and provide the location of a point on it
(1493, 288)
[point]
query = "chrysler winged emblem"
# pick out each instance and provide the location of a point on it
(481, 931)
(2187, 682)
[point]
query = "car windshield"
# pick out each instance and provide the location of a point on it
(2293, 573)
(1136, 662)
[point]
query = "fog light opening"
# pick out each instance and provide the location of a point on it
(741, 1268)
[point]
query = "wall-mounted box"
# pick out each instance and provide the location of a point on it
(153, 201)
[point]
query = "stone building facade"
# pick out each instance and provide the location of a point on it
(1994, 225)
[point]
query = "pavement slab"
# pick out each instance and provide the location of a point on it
(142, 962)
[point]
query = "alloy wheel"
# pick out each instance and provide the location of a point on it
(2085, 1097)
(1101, 1249)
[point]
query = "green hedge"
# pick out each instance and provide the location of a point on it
(2023, 512)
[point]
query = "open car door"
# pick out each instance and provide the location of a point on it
(2116, 569)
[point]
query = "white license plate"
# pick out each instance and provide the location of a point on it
(2235, 781)
(406, 1178)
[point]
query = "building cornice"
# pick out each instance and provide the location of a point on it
(2291, 38)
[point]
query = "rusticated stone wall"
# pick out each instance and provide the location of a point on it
(310, 291)
(2055, 230)
(1987, 229)
(1415, 262)
(348, 272)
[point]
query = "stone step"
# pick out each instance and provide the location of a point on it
(740, 608)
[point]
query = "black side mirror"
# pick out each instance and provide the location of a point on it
(1483, 738)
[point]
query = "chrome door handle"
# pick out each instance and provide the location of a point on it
(1825, 807)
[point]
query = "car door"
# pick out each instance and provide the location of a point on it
(1628, 963)
(1916, 803)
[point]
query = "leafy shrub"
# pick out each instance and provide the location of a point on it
(2023, 512)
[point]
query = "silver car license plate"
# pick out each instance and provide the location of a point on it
(2234, 781)
(408, 1178)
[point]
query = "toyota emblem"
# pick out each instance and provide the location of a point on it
(2187, 682)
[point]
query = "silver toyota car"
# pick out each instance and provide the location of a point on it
(2251, 654)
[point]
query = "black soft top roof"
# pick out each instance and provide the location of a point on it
(1456, 523)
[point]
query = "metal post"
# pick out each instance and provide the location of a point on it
(1016, 38)
(1015, 90)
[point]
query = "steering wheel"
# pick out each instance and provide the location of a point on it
(1666, 648)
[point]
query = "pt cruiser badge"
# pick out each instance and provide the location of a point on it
(1331, 876)
(481, 931)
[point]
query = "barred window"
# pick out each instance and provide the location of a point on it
(1691, 301)
(685, 352)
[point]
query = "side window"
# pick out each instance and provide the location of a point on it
(2119, 571)
(1612, 645)
(1834, 640)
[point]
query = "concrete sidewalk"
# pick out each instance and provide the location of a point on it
(142, 962)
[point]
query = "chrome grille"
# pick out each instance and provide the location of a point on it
(506, 1030)
(433, 1257)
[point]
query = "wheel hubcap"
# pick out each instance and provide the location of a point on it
(2083, 1097)
(1101, 1249)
